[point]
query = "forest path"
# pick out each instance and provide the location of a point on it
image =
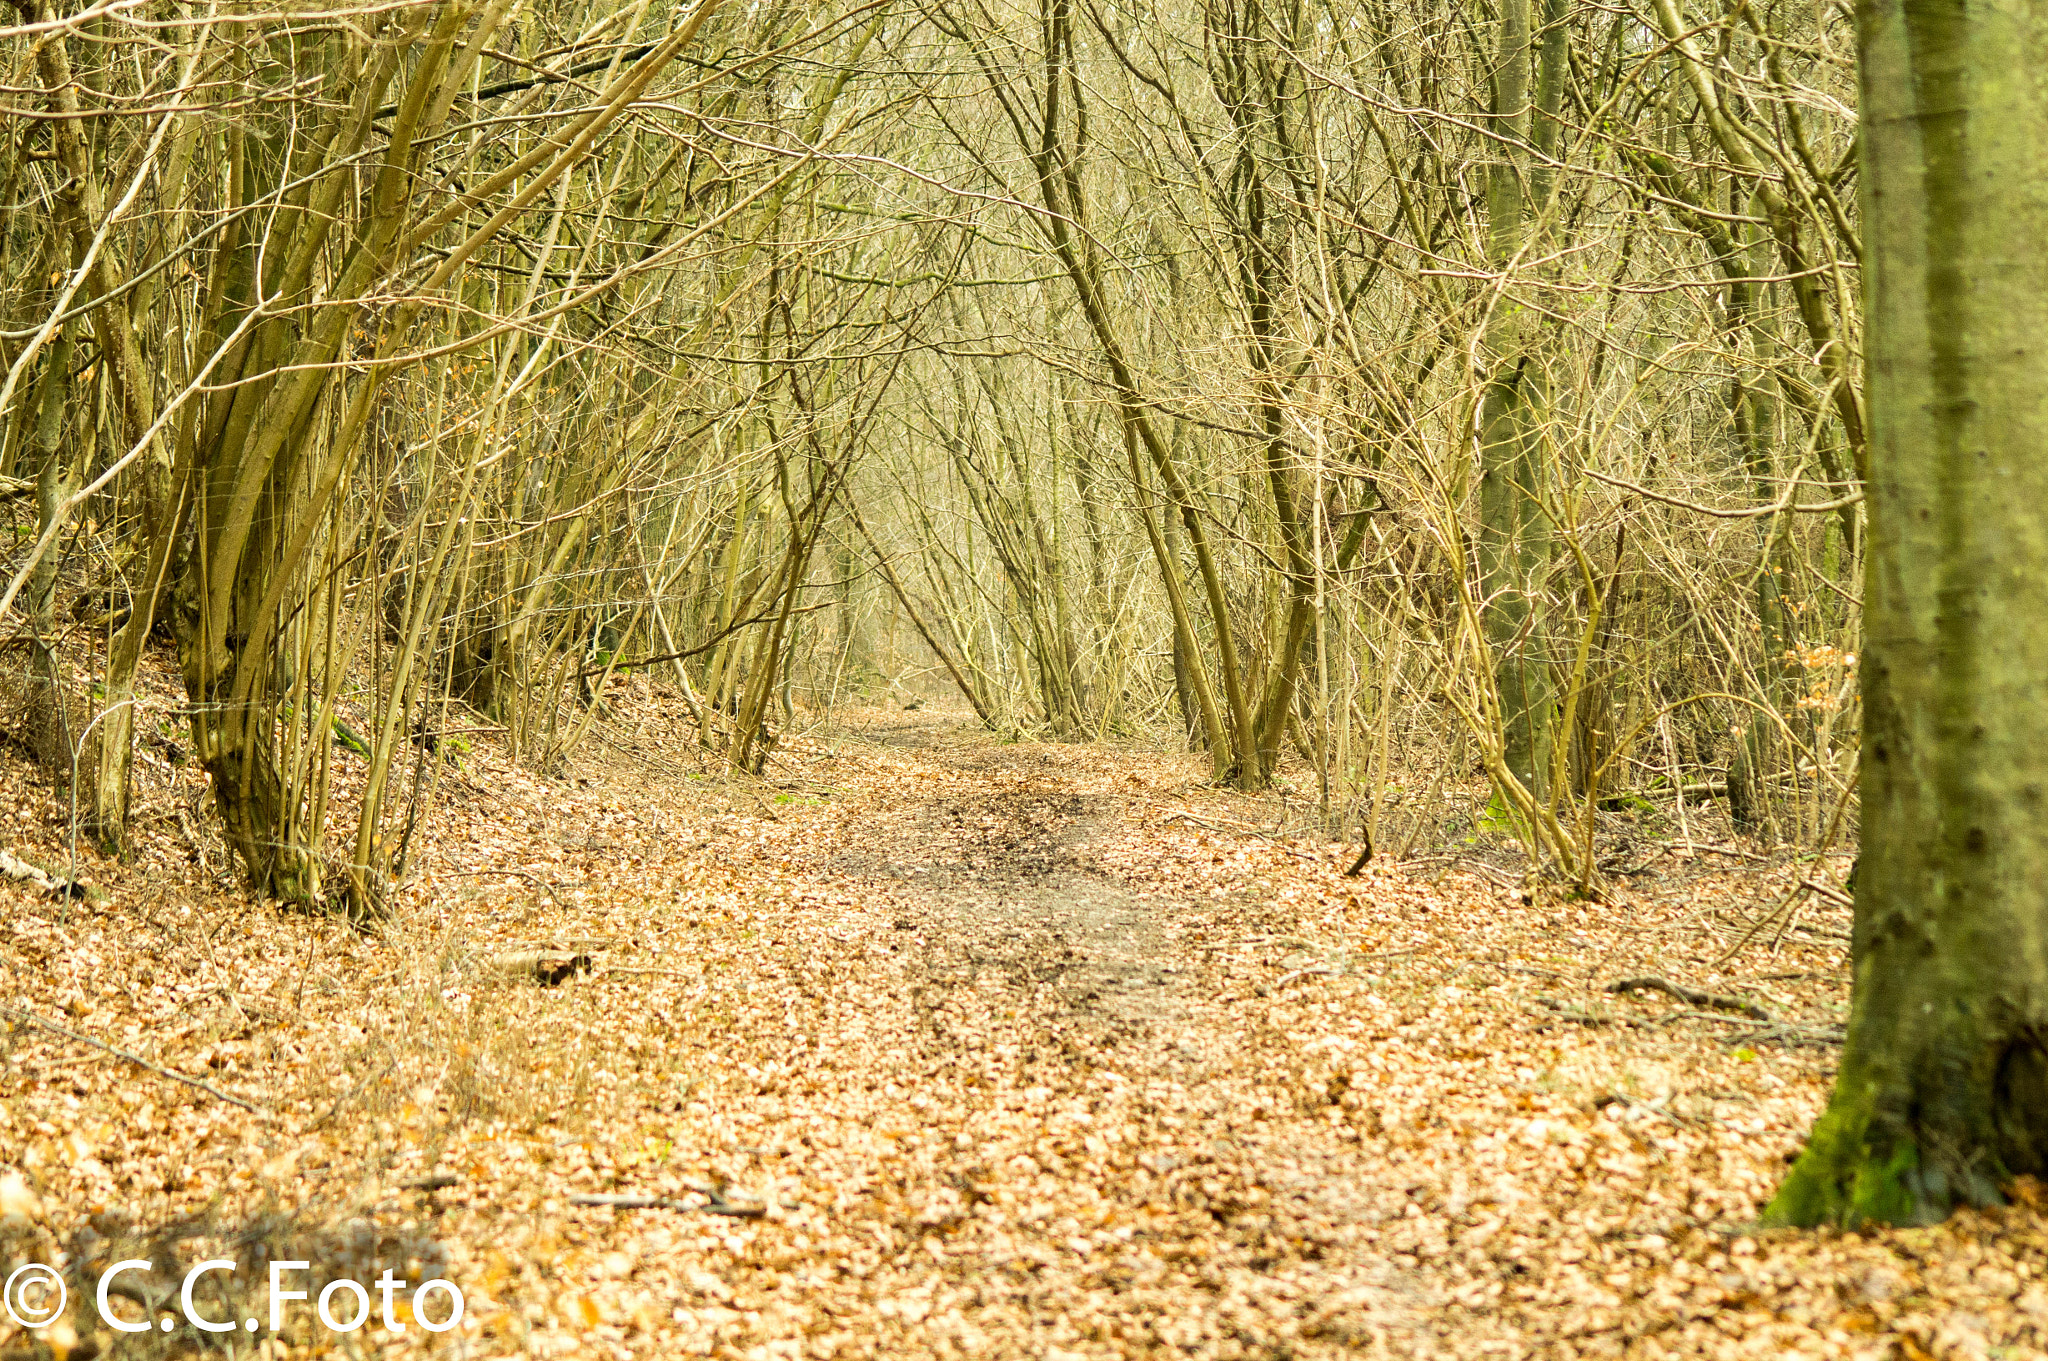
(995, 879)
(1123, 1181)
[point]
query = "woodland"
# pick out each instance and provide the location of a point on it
(1399, 389)
(1081, 677)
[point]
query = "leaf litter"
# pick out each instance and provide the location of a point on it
(929, 1045)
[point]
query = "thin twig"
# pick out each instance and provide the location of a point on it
(1528, 969)
(1785, 915)
(1239, 829)
(1716, 1017)
(717, 1205)
(1793, 1037)
(1692, 997)
(137, 1060)
(1828, 891)
(1783, 503)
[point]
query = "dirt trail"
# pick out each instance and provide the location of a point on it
(999, 885)
(1075, 1034)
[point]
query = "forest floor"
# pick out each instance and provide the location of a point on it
(933, 1045)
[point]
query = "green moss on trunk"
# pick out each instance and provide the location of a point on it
(1840, 1179)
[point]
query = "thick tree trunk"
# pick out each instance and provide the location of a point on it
(1943, 1091)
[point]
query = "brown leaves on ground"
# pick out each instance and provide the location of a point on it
(956, 1048)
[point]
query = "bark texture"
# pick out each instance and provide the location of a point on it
(1515, 534)
(1942, 1096)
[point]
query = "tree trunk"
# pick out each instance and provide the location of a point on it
(1942, 1095)
(81, 211)
(1059, 183)
(1186, 660)
(1199, 706)
(49, 725)
(1755, 416)
(1514, 531)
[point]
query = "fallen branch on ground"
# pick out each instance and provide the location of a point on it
(1828, 891)
(546, 967)
(1229, 827)
(717, 1205)
(55, 1029)
(14, 867)
(1715, 1017)
(1693, 997)
(1792, 1037)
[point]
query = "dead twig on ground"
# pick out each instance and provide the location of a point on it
(1488, 872)
(1693, 997)
(715, 1204)
(1713, 1016)
(30, 1018)
(1828, 891)
(1529, 969)
(1238, 829)
(1793, 1037)
(14, 867)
